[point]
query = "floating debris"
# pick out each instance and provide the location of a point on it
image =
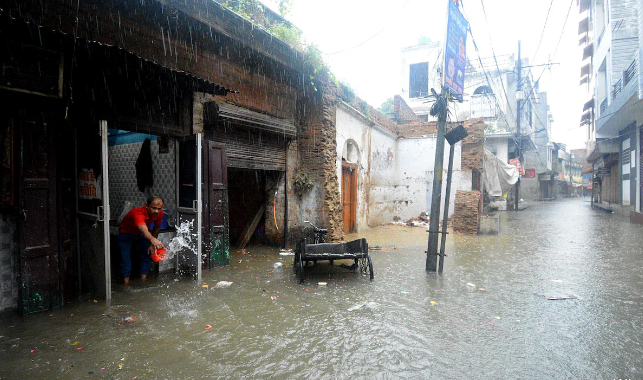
(286, 252)
(365, 305)
(556, 297)
(322, 283)
(470, 285)
(433, 303)
(208, 327)
(223, 284)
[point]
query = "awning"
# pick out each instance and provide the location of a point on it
(256, 120)
(588, 105)
(588, 51)
(583, 5)
(586, 117)
(585, 70)
(583, 26)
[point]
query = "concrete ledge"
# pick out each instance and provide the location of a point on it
(489, 225)
(603, 207)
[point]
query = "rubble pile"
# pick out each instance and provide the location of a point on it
(466, 215)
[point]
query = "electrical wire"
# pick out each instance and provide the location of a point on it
(543, 32)
(371, 37)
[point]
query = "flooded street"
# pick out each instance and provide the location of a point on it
(486, 316)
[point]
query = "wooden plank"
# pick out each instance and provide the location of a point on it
(355, 246)
(250, 228)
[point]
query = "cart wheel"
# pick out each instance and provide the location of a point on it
(295, 265)
(302, 264)
(370, 267)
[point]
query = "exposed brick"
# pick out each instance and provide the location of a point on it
(466, 215)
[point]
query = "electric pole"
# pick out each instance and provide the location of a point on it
(439, 108)
(518, 136)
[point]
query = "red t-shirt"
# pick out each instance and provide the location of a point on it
(136, 217)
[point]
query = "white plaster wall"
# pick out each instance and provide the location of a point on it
(382, 196)
(351, 126)
(415, 164)
(501, 146)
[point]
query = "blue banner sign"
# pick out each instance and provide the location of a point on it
(455, 50)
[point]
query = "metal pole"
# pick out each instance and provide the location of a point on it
(434, 225)
(518, 140)
(445, 219)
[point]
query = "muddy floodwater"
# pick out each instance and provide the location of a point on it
(487, 316)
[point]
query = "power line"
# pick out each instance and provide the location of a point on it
(557, 45)
(543, 32)
(371, 37)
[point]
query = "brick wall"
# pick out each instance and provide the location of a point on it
(403, 112)
(466, 215)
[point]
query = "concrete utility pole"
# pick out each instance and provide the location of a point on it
(439, 108)
(518, 136)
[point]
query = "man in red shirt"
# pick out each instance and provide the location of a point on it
(136, 227)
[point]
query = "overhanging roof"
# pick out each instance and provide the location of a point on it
(23, 30)
(252, 119)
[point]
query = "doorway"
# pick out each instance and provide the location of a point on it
(349, 196)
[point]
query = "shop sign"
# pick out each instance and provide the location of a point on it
(455, 52)
(89, 185)
(530, 173)
(516, 162)
(603, 172)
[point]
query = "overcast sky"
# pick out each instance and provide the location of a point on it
(361, 41)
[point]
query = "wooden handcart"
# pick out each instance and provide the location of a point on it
(356, 250)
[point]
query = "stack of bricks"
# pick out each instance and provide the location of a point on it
(466, 215)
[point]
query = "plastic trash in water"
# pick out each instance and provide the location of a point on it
(277, 265)
(366, 305)
(433, 303)
(470, 285)
(286, 252)
(322, 283)
(223, 284)
(128, 319)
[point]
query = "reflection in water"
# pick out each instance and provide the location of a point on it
(266, 325)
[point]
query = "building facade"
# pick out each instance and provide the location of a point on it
(610, 34)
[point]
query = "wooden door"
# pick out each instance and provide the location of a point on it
(349, 197)
(216, 240)
(39, 261)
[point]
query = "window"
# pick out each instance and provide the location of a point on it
(419, 80)
(483, 102)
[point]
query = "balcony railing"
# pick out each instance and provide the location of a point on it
(630, 73)
(626, 77)
(600, 36)
(616, 89)
(603, 106)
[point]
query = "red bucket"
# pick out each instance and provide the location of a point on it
(159, 255)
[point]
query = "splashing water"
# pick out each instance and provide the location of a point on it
(185, 239)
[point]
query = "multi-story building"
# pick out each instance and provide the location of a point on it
(613, 114)
(492, 92)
